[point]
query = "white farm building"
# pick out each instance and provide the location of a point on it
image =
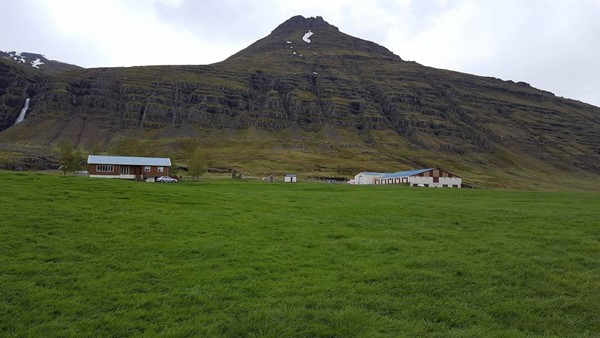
(431, 177)
(367, 177)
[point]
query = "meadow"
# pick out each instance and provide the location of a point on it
(223, 258)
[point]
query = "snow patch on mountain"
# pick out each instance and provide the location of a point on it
(307, 36)
(37, 63)
(16, 56)
(35, 60)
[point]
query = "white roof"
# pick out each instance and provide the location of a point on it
(129, 160)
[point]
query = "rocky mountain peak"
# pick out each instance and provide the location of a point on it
(308, 39)
(299, 22)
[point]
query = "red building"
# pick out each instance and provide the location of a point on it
(127, 167)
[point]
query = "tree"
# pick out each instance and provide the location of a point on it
(70, 158)
(197, 166)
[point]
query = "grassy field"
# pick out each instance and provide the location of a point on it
(219, 258)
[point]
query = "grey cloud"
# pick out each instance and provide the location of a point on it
(219, 21)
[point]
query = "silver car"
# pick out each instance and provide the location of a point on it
(166, 179)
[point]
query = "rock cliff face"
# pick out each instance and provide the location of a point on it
(306, 77)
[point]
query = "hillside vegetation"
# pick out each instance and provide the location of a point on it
(332, 107)
(219, 258)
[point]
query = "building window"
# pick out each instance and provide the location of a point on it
(105, 168)
(160, 169)
(147, 168)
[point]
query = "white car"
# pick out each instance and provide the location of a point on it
(166, 179)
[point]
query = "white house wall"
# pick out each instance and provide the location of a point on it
(427, 179)
(106, 176)
(364, 178)
(392, 180)
(450, 182)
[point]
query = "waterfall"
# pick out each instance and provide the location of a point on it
(23, 111)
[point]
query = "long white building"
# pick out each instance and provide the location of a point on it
(431, 177)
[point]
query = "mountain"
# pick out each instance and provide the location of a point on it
(37, 61)
(312, 100)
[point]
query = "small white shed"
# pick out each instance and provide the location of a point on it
(290, 178)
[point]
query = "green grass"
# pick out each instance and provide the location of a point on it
(219, 258)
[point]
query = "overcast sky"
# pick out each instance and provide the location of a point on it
(552, 44)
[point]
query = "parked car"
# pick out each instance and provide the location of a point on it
(166, 179)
